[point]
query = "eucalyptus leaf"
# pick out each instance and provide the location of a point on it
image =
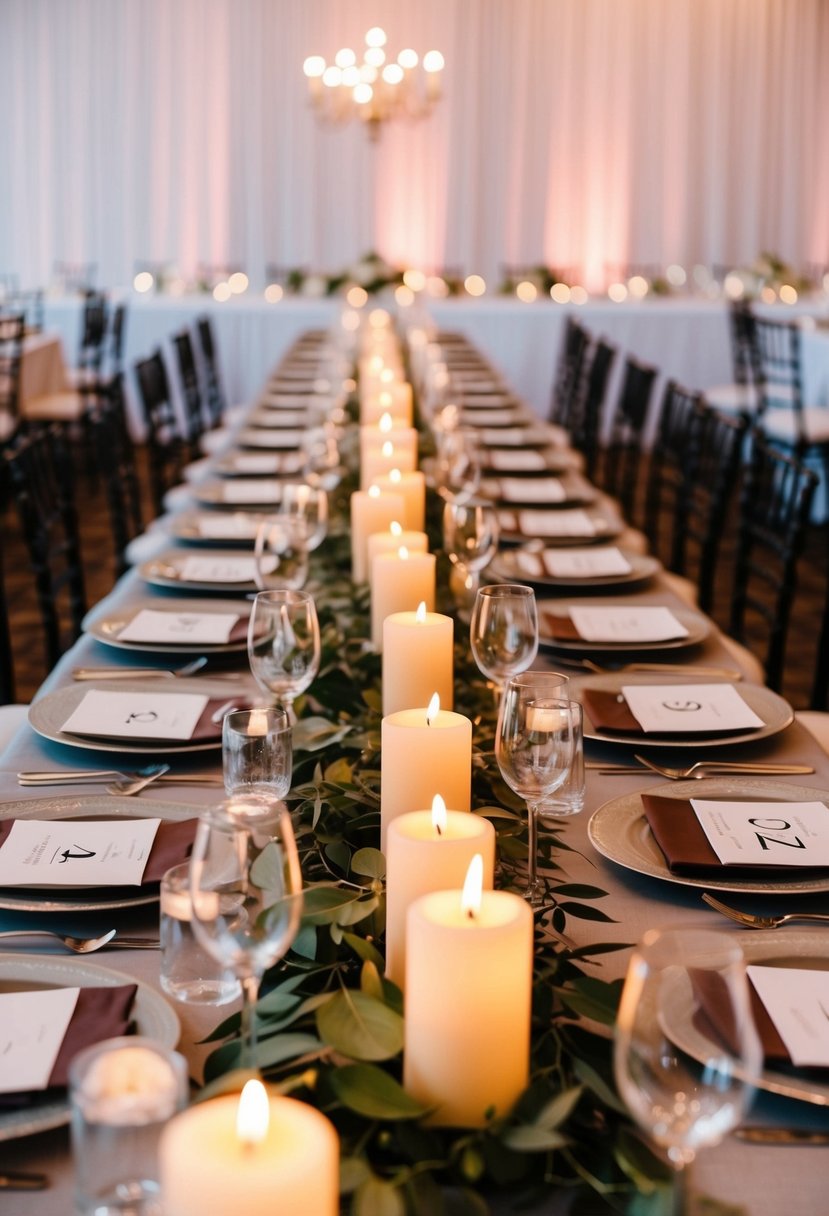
(375, 1197)
(369, 862)
(558, 1109)
(365, 950)
(353, 1172)
(360, 1026)
(352, 913)
(282, 1047)
(530, 1138)
(267, 871)
(374, 1093)
(312, 734)
(371, 982)
(305, 942)
(322, 904)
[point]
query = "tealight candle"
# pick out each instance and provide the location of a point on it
(429, 851)
(413, 488)
(393, 540)
(257, 1154)
(468, 999)
(418, 659)
(371, 511)
(422, 750)
(399, 582)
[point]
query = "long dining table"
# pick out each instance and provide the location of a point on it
(765, 1179)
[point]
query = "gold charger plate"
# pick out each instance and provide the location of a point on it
(521, 565)
(698, 627)
(107, 626)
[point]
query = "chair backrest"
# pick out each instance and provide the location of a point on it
(116, 339)
(191, 391)
(6, 663)
(216, 401)
(742, 334)
(164, 443)
(667, 483)
(572, 352)
(777, 356)
(118, 470)
(586, 425)
(623, 455)
(93, 332)
(775, 502)
(41, 479)
(12, 330)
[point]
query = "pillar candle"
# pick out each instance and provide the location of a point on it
(413, 488)
(392, 541)
(207, 1165)
(429, 852)
(423, 750)
(468, 998)
(371, 511)
(372, 438)
(399, 582)
(418, 659)
(395, 399)
(379, 462)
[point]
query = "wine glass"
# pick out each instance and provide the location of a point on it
(534, 747)
(309, 504)
(687, 1055)
(504, 630)
(470, 538)
(323, 466)
(246, 893)
(280, 553)
(284, 643)
(457, 468)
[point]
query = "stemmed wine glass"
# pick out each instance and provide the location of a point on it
(470, 538)
(284, 643)
(504, 630)
(535, 742)
(246, 894)
(309, 505)
(457, 466)
(687, 1055)
(280, 553)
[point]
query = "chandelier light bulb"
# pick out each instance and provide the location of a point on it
(376, 36)
(332, 77)
(433, 61)
(392, 73)
(351, 77)
(363, 94)
(345, 58)
(408, 59)
(375, 56)
(314, 66)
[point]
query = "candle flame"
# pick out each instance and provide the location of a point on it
(395, 528)
(387, 448)
(433, 709)
(385, 423)
(472, 887)
(439, 814)
(253, 1114)
(386, 397)
(395, 476)
(403, 553)
(374, 492)
(387, 375)
(420, 615)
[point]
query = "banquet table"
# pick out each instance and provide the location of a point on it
(767, 1181)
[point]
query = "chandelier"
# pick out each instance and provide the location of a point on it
(376, 89)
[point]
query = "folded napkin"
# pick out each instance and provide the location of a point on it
(172, 846)
(564, 628)
(100, 1013)
(609, 712)
(717, 1014)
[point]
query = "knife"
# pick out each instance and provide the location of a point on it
(12, 1181)
(781, 1135)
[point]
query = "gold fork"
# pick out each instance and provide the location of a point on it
(749, 921)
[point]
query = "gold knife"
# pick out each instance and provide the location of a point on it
(781, 1135)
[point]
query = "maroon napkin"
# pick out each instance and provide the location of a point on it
(609, 712)
(717, 1015)
(564, 628)
(172, 846)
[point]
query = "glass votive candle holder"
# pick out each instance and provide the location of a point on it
(569, 798)
(257, 752)
(122, 1093)
(187, 972)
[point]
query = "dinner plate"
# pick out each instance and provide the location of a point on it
(607, 527)
(776, 713)
(84, 806)
(804, 948)
(529, 491)
(697, 625)
(107, 626)
(513, 461)
(621, 833)
(523, 565)
(166, 570)
(268, 464)
(49, 712)
(278, 440)
(189, 526)
(278, 419)
(518, 435)
(152, 1016)
(239, 494)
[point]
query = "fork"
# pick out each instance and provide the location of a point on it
(133, 673)
(88, 945)
(720, 767)
(749, 921)
(78, 775)
(697, 669)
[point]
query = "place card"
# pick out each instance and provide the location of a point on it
(515, 436)
(519, 489)
(797, 999)
(556, 523)
(289, 401)
(256, 490)
(34, 1025)
(251, 463)
(220, 569)
(765, 833)
(77, 852)
(279, 419)
(585, 563)
(626, 624)
(227, 527)
(506, 461)
(481, 417)
(136, 715)
(179, 628)
(689, 708)
(271, 439)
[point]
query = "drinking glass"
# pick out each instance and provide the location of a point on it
(457, 468)
(470, 534)
(308, 504)
(281, 553)
(569, 797)
(284, 643)
(687, 1055)
(323, 466)
(504, 630)
(246, 889)
(256, 751)
(534, 747)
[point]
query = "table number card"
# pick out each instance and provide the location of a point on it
(136, 715)
(218, 569)
(797, 1001)
(32, 1029)
(585, 563)
(76, 852)
(516, 462)
(681, 708)
(556, 523)
(634, 624)
(228, 527)
(765, 833)
(254, 490)
(516, 489)
(180, 628)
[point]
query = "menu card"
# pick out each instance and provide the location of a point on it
(33, 1027)
(765, 833)
(630, 624)
(518, 489)
(136, 715)
(516, 462)
(254, 490)
(179, 628)
(585, 563)
(76, 852)
(227, 527)
(271, 439)
(687, 708)
(220, 569)
(797, 1001)
(549, 523)
(255, 464)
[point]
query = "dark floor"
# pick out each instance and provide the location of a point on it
(99, 560)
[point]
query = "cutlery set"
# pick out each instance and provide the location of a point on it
(125, 783)
(702, 768)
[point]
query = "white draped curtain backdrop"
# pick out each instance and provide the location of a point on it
(587, 134)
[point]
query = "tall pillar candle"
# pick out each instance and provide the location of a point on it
(423, 750)
(371, 511)
(379, 462)
(402, 438)
(394, 399)
(210, 1162)
(399, 583)
(468, 1003)
(394, 540)
(413, 488)
(418, 659)
(429, 851)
